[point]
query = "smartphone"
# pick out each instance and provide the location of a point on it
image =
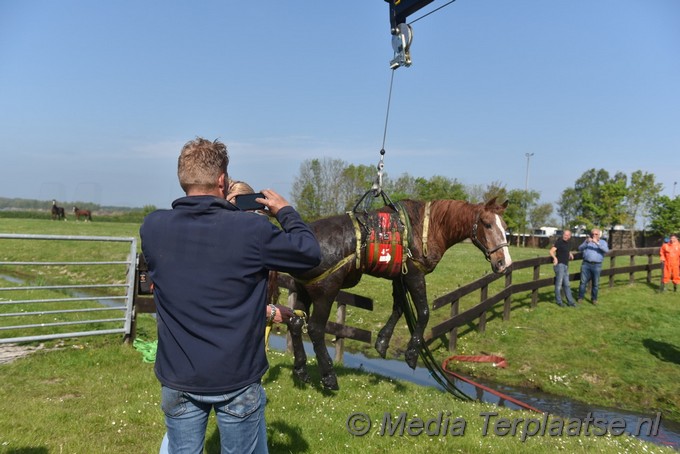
(247, 202)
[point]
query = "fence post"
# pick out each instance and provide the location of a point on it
(508, 299)
(483, 294)
(453, 338)
(631, 276)
(534, 292)
(339, 341)
(649, 268)
(612, 264)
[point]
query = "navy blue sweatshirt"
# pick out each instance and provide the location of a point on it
(209, 263)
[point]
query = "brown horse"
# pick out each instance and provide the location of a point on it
(82, 214)
(57, 212)
(435, 227)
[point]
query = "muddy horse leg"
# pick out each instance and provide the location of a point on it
(317, 333)
(383, 340)
(295, 331)
(415, 286)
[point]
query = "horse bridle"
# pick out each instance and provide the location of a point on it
(476, 242)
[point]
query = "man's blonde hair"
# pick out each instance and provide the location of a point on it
(201, 163)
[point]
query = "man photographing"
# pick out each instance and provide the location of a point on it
(209, 263)
(594, 248)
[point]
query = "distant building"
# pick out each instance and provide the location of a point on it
(545, 231)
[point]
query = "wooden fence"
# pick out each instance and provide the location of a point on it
(449, 327)
(486, 302)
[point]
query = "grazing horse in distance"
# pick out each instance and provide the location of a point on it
(82, 214)
(57, 211)
(433, 228)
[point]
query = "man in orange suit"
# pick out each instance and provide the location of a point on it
(670, 261)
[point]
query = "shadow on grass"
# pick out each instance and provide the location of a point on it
(663, 350)
(291, 441)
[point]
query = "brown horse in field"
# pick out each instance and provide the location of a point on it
(82, 214)
(433, 228)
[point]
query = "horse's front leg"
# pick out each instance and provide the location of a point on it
(415, 286)
(383, 340)
(317, 333)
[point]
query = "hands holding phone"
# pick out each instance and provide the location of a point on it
(267, 199)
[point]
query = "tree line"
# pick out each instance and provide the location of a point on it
(326, 187)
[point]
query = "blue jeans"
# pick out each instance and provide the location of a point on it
(240, 420)
(562, 283)
(590, 272)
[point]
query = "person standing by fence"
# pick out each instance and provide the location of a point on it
(561, 254)
(594, 248)
(670, 263)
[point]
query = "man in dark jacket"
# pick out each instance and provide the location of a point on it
(209, 264)
(561, 254)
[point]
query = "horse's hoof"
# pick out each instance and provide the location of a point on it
(330, 382)
(381, 346)
(411, 358)
(301, 375)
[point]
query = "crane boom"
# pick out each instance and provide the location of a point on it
(402, 33)
(401, 9)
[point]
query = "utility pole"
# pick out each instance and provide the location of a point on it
(526, 200)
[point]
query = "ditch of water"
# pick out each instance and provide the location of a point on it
(668, 431)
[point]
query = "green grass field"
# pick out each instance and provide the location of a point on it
(624, 353)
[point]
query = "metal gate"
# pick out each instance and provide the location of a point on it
(50, 284)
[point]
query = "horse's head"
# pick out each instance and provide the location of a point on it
(488, 234)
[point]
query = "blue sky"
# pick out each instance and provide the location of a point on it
(97, 98)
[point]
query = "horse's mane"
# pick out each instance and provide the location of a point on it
(449, 219)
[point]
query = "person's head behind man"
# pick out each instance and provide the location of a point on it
(238, 188)
(202, 167)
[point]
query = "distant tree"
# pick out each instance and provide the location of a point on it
(355, 181)
(495, 189)
(540, 214)
(148, 209)
(520, 204)
(665, 216)
(643, 190)
(312, 189)
(568, 207)
(439, 187)
(589, 186)
(402, 188)
(475, 193)
(612, 196)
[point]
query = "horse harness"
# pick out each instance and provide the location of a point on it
(384, 243)
(389, 242)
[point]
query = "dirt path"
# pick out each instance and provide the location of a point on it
(10, 352)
